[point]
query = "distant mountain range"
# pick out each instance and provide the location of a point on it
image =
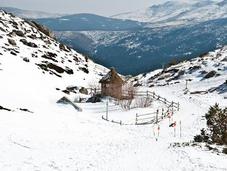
(178, 13)
(89, 22)
(29, 13)
(145, 40)
(133, 52)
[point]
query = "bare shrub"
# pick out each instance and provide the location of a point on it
(125, 104)
(143, 102)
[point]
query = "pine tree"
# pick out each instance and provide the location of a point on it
(217, 126)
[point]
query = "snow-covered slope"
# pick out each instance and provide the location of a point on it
(177, 12)
(53, 137)
(29, 14)
(36, 68)
(209, 71)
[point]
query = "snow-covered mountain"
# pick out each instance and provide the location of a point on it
(29, 13)
(199, 27)
(205, 74)
(87, 22)
(38, 134)
(178, 12)
(34, 67)
(148, 49)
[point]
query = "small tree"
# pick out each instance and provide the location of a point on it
(217, 126)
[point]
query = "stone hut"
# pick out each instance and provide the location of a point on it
(112, 84)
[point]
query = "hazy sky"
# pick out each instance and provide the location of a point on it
(102, 7)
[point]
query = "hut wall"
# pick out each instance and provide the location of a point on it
(113, 90)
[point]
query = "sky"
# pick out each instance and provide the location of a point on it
(101, 7)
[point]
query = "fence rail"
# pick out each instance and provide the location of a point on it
(152, 95)
(156, 117)
(153, 117)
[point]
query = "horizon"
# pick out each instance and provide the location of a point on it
(98, 7)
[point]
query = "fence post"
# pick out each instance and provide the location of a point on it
(180, 130)
(158, 130)
(178, 106)
(162, 113)
(136, 118)
(157, 117)
(172, 107)
(107, 108)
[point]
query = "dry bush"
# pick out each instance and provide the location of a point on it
(143, 102)
(125, 104)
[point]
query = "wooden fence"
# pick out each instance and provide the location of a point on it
(154, 96)
(154, 117)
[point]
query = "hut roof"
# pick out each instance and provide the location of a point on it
(112, 77)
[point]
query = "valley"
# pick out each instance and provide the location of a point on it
(57, 114)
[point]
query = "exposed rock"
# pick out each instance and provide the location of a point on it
(32, 36)
(84, 69)
(198, 92)
(65, 100)
(203, 72)
(18, 33)
(12, 42)
(50, 55)
(3, 30)
(25, 110)
(66, 91)
(41, 28)
(13, 53)
(174, 70)
(196, 67)
(64, 48)
(30, 44)
(94, 99)
(210, 74)
(225, 59)
(3, 108)
(72, 89)
(83, 90)
(26, 59)
(68, 70)
(56, 68)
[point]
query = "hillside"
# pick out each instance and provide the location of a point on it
(147, 49)
(29, 13)
(149, 38)
(35, 68)
(173, 13)
(209, 71)
(38, 134)
(89, 22)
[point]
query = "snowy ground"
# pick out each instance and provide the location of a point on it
(59, 138)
